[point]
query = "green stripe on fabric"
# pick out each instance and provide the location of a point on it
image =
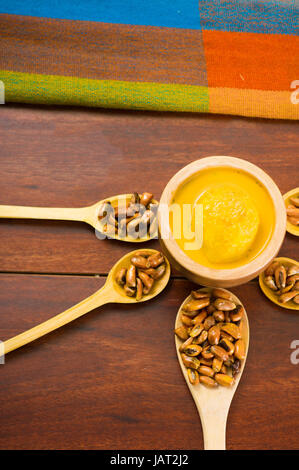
(53, 89)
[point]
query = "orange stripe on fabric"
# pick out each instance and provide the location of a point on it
(251, 60)
(262, 103)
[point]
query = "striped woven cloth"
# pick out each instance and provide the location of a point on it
(220, 56)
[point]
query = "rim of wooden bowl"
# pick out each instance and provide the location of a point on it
(233, 276)
(291, 228)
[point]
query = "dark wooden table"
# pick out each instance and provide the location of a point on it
(111, 379)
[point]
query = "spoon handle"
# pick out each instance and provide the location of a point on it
(214, 429)
(49, 213)
(100, 297)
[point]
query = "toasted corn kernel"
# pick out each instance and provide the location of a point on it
(207, 381)
(237, 314)
(205, 370)
(135, 198)
(295, 201)
(271, 268)
(121, 276)
(193, 350)
(293, 220)
(217, 364)
(287, 288)
(218, 315)
(229, 362)
(181, 332)
(190, 314)
(198, 294)
(280, 276)
(224, 379)
(206, 362)
(209, 322)
(287, 296)
(140, 262)
(133, 210)
(139, 289)
(293, 270)
(207, 353)
(190, 362)
(143, 253)
(296, 299)
(159, 272)
(211, 309)
(195, 305)
(219, 352)
(200, 317)
(224, 305)
(202, 337)
(223, 334)
(147, 289)
(227, 345)
(132, 225)
(145, 198)
(185, 344)
(196, 330)
(270, 282)
(222, 294)
(104, 209)
(155, 260)
(214, 334)
(223, 369)
(146, 217)
(149, 271)
(109, 229)
(232, 329)
(129, 291)
(147, 281)
(292, 279)
(131, 276)
(227, 317)
(193, 376)
(240, 350)
(186, 320)
(293, 212)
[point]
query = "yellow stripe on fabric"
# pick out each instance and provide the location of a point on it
(54, 89)
(262, 103)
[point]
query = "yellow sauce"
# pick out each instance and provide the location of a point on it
(238, 217)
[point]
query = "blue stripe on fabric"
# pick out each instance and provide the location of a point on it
(255, 16)
(170, 13)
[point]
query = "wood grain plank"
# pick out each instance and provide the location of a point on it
(73, 157)
(75, 388)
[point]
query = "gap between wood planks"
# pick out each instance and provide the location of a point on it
(34, 273)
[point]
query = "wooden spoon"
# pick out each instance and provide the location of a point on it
(274, 295)
(110, 292)
(291, 228)
(213, 403)
(87, 214)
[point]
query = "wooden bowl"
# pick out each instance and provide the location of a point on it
(221, 277)
(293, 229)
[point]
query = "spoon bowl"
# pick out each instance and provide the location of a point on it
(93, 219)
(272, 295)
(89, 215)
(293, 229)
(111, 292)
(213, 403)
(118, 292)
